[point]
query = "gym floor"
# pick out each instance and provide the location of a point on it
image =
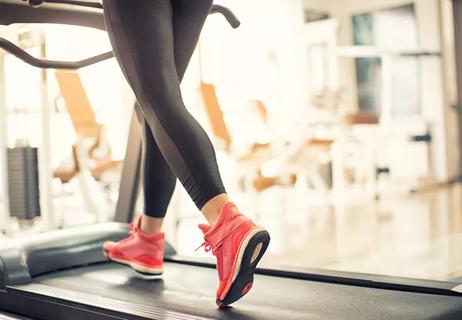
(417, 236)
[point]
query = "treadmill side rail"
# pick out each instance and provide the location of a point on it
(457, 289)
(13, 270)
(2, 275)
(58, 250)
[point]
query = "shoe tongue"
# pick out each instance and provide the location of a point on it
(228, 211)
(204, 228)
(150, 236)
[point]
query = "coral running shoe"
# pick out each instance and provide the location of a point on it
(143, 252)
(238, 245)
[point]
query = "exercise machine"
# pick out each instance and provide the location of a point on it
(64, 275)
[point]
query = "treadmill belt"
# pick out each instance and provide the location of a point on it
(191, 290)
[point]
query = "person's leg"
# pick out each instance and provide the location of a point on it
(142, 36)
(158, 181)
(235, 241)
(188, 19)
(187, 22)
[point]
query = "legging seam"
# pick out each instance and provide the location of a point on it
(146, 93)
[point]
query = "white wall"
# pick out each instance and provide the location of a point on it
(260, 60)
(265, 59)
(435, 107)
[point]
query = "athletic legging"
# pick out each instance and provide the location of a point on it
(153, 41)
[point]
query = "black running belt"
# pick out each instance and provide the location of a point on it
(189, 290)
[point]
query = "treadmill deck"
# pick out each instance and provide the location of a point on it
(191, 290)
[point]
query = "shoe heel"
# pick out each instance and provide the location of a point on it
(254, 251)
(258, 245)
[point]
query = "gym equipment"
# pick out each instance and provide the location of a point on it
(23, 177)
(24, 38)
(23, 182)
(63, 274)
(91, 153)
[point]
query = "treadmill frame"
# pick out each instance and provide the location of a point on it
(20, 297)
(44, 302)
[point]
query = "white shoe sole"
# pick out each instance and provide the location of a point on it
(137, 267)
(241, 252)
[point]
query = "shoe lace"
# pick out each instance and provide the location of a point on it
(207, 246)
(222, 233)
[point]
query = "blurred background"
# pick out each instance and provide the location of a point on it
(336, 123)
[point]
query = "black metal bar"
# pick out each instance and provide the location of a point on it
(20, 12)
(36, 3)
(14, 11)
(228, 14)
(130, 179)
(72, 12)
(51, 64)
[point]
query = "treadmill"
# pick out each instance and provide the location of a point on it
(64, 275)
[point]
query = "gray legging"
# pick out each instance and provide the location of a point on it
(153, 41)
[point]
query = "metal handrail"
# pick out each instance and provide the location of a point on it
(36, 3)
(226, 12)
(51, 64)
(73, 65)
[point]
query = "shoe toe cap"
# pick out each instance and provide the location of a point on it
(109, 246)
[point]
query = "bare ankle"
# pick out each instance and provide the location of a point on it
(211, 210)
(151, 225)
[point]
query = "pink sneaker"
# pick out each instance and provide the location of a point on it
(238, 245)
(142, 252)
